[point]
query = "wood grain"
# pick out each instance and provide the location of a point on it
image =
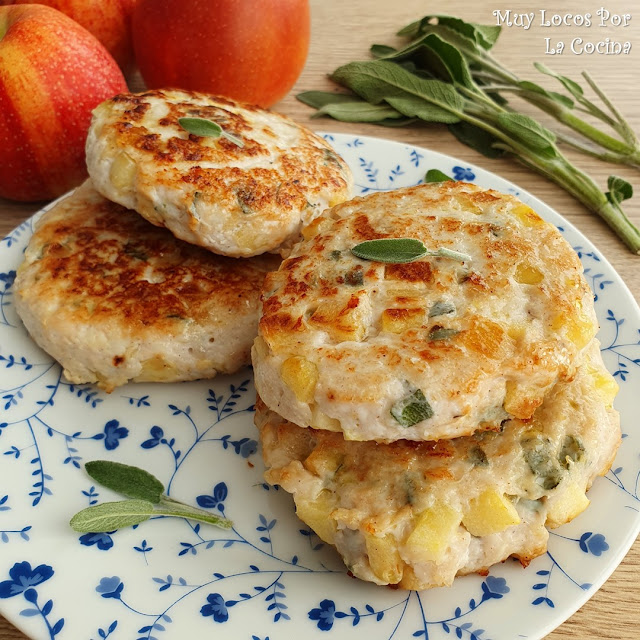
(342, 32)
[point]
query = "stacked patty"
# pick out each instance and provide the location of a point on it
(430, 417)
(151, 270)
(237, 197)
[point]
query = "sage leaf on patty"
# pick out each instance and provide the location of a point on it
(401, 251)
(391, 250)
(207, 129)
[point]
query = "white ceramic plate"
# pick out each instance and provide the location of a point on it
(269, 577)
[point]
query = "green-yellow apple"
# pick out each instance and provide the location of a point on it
(53, 73)
(107, 20)
(243, 49)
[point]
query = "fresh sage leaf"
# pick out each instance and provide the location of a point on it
(552, 95)
(445, 56)
(412, 409)
(110, 516)
(435, 175)
(466, 46)
(381, 50)
(570, 85)
(406, 56)
(415, 106)
(411, 30)
(619, 190)
(529, 133)
(476, 138)
(178, 510)
(484, 35)
(412, 67)
(497, 98)
(394, 123)
(318, 99)
(207, 129)
(360, 111)
(381, 81)
(351, 108)
(146, 495)
(126, 480)
(231, 138)
(391, 250)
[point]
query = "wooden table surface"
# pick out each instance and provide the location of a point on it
(342, 31)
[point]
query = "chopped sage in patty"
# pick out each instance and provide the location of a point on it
(411, 409)
(477, 457)
(441, 333)
(572, 450)
(441, 308)
(542, 461)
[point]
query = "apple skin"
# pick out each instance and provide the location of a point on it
(243, 49)
(53, 73)
(107, 20)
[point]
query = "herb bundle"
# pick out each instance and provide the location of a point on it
(447, 75)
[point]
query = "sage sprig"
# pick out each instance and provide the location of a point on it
(207, 129)
(453, 50)
(447, 75)
(401, 251)
(146, 499)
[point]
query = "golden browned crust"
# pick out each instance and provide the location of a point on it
(519, 312)
(234, 200)
(114, 298)
(104, 258)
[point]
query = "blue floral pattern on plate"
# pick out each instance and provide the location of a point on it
(269, 576)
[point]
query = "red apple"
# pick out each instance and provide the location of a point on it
(247, 50)
(107, 20)
(53, 73)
